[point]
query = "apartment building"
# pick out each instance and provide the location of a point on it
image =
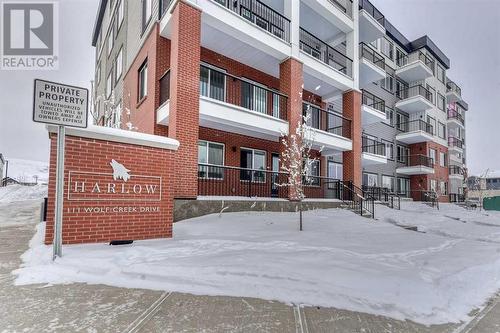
(230, 78)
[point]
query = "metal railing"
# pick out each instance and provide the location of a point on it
(455, 170)
(373, 101)
(416, 56)
(418, 90)
(165, 87)
(261, 15)
(374, 12)
(372, 146)
(452, 86)
(383, 194)
(325, 53)
(415, 125)
(234, 90)
(418, 160)
(344, 5)
(327, 121)
(456, 197)
(455, 142)
(371, 55)
(452, 114)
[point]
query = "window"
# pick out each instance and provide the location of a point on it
(109, 86)
(119, 65)
(432, 122)
(111, 40)
(335, 170)
(143, 80)
(119, 14)
(388, 82)
(213, 83)
(387, 48)
(400, 57)
(401, 89)
(440, 73)
(389, 116)
(388, 182)
(441, 102)
(146, 13)
(117, 116)
(441, 130)
(253, 97)
(98, 74)
(442, 159)
(432, 154)
(313, 173)
(401, 121)
(433, 185)
(432, 93)
(370, 179)
(401, 154)
(253, 160)
(404, 186)
(389, 149)
(210, 160)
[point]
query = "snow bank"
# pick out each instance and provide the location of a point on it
(340, 260)
(26, 170)
(13, 193)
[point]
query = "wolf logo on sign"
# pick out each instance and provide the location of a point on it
(119, 171)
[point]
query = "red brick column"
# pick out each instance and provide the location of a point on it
(352, 159)
(291, 84)
(185, 96)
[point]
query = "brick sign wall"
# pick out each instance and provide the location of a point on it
(113, 190)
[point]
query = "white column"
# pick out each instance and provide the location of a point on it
(292, 12)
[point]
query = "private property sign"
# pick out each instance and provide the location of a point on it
(60, 104)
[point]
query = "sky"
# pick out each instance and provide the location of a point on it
(467, 31)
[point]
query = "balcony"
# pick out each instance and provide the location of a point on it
(373, 152)
(453, 92)
(232, 104)
(415, 67)
(249, 31)
(327, 69)
(371, 22)
(371, 65)
(456, 172)
(332, 130)
(414, 99)
(455, 119)
(416, 165)
(373, 109)
(455, 145)
(414, 131)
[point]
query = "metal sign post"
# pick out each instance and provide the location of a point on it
(61, 105)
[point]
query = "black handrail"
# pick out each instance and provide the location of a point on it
(406, 59)
(372, 146)
(327, 121)
(261, 15)
(237, 91)
(325, 53)
(415, 125)
(419, 160)
(374, 12)
(371, 55)
(455, 142)
(345, 8)
(455, 170)
(452, 114)
(452, 86)
(373, 101)
(417, 90)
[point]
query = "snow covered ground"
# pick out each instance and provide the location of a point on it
(13, 193)
(27, 170)
(341, 260)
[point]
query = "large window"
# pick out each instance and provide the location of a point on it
(441, 130)
(401, 154)
(253, 160)
(432, 92)
(432, 122)
(440, 73)
(389, 149)
(119, 14)
(433, 185)
(211, 158)
(313, 173)
(213, 83)
(146, 13)
(143, 80)
(389, 116)
(119, 65)
(441, 102)
(403, 186)
(401, 121)
(335, 170)
(370, 179)
(442, 159)
(443, 188)
(400, 55)
(387, 48)
(432, 154)
(253, 97)
(388, 82)
(388, 182)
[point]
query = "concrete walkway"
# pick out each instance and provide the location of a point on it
(98, 308)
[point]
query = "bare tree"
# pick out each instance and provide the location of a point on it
(116, 112)
(296, 160)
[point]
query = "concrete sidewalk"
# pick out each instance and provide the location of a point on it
(99, 308)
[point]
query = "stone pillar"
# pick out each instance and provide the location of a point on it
(291, 84)
(185, 96)
(352, 159)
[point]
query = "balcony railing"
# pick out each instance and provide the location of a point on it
(415, 56)
(417, 90)
(163, 6)
(344, 5)
(373, 147)
(373, 101)
(452, 86)
(418, 160)
(261, 15)
(456, 197)
(325, 53)
(236, 91)
(415, 125)
(374, 12)
(371, 55)
(455, 142)
(327, 121)
(165, 87)
(455, 170)
(452, 114)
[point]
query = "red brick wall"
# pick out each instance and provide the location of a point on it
(352, 159)
(89, 155)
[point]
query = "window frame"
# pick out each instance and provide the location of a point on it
(383, 46)
(118, 64)
(253, 165)
(142, 68)
(387, 150)
(368, 176)
(393, 181)
(208, 143)
(209, 86)
(145, 20)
